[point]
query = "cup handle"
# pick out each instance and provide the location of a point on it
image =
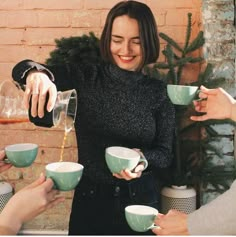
(144, 160)
(153, 227)
(199, 99)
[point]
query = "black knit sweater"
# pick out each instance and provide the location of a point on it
(115, 108)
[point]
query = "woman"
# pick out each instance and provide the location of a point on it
(117, 106)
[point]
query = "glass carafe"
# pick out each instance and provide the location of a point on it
(63, 114)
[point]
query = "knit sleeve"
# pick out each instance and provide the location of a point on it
(216, 217)
(161, 154)
(65, 77)
(21, 69)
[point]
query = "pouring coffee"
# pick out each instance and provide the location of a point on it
(63, 113)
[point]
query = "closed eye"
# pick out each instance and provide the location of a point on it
(117, 41)
(136, 41)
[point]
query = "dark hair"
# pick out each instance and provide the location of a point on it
(149, 39)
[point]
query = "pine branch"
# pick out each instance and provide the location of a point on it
(170, 41)
(188, 33)
(197, 43)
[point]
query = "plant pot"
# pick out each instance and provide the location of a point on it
(6, 192)
(181, 198)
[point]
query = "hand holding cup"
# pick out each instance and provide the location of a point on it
(140, 218)
(181, 94)
(121, 158)
(21, 154)
(65, 175)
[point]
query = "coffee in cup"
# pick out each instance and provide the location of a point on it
(140, 218)
(65, 175)
(181, 94)
(120, 158)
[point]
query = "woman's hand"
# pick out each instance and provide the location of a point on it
(128, 175)
(28, 203)
(173, 223)
(136, 173)
(216, 104)
(38, 85)
(3, 166)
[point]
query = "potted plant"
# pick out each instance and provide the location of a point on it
(189, 144)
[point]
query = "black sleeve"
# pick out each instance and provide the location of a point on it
(161, 155)
(65, 77)
(21, 70)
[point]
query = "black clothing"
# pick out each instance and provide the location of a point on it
(115, 108)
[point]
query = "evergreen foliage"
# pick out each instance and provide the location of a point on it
(77, 49)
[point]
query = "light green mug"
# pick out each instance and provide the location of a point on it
(181, 94)
(65, 175)
(140, 218)
(21, 154)
(120, 158)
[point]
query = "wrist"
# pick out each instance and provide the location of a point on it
(9, 220)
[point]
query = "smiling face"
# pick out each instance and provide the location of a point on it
(125, 43)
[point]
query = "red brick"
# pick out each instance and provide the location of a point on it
(22, 19)
(10, 5)
(174, 4)
(86, 19)
(53, 4)
(11, 36)
(94, 4)
(52, 19)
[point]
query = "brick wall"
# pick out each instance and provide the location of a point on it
(28, 30)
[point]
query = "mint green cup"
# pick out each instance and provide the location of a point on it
(140, 218)
(21, 154)
(65, 175)
(120, 158)
(182, 95)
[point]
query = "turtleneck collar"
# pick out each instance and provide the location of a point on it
(123, 75)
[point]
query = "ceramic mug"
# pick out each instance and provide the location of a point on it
(120, 158)
(140, 218)
(65, 175)
(21, 154)
(181, 94)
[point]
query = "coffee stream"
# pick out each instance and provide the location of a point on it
(63, 146)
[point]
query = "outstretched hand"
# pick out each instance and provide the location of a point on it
(173, 223)
(215, 104)
(28, 203)
(3, 166)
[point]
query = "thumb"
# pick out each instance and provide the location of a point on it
(160, 215)
(208, 91)
(2, 154)
(37, 182)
